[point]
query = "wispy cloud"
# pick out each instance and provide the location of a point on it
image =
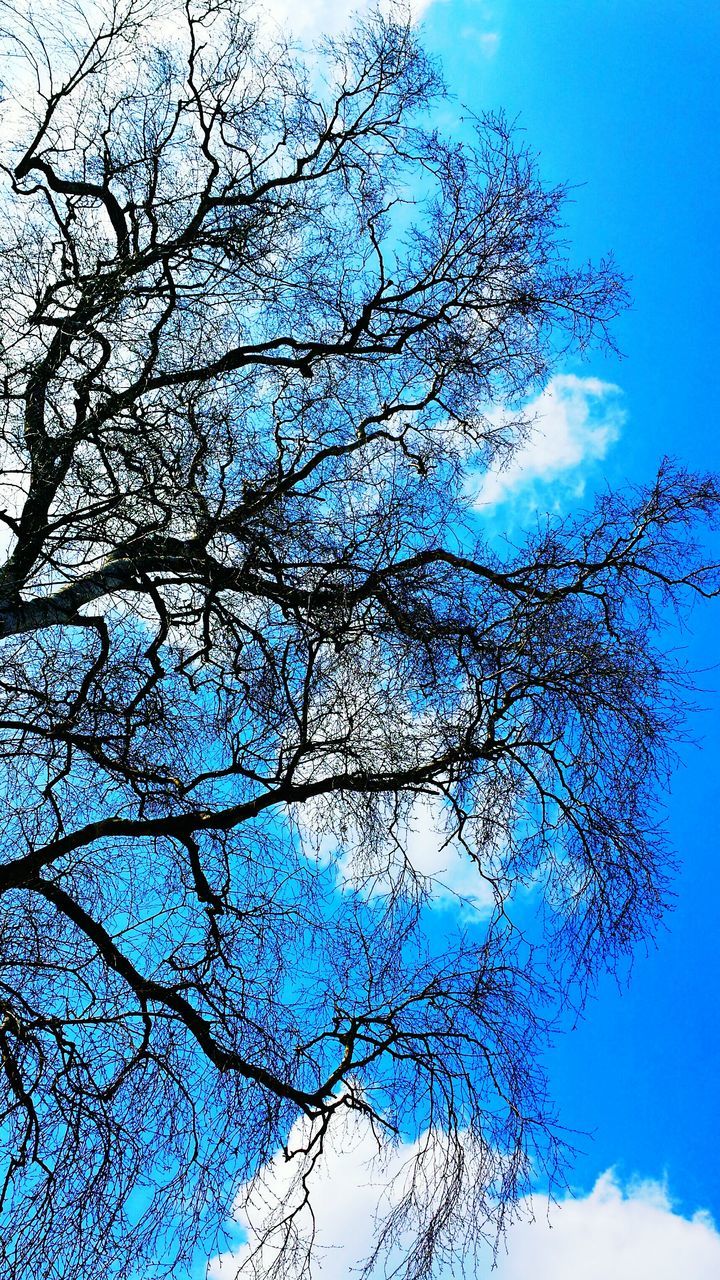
(574, 423)
(487, 42)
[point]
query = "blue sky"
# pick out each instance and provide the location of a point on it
(623, 99)
(620, 98)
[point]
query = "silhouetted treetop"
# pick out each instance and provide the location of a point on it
(259, 315)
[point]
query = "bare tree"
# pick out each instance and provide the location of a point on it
(257, 313)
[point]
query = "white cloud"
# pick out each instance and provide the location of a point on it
(574, 423)
(348, 1186)
(310, 19)
(420, 846)
(454, 879)
(629, 1232)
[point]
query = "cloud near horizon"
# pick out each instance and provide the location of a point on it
(618, 1231)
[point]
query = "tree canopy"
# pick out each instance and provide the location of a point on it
(258, 318)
